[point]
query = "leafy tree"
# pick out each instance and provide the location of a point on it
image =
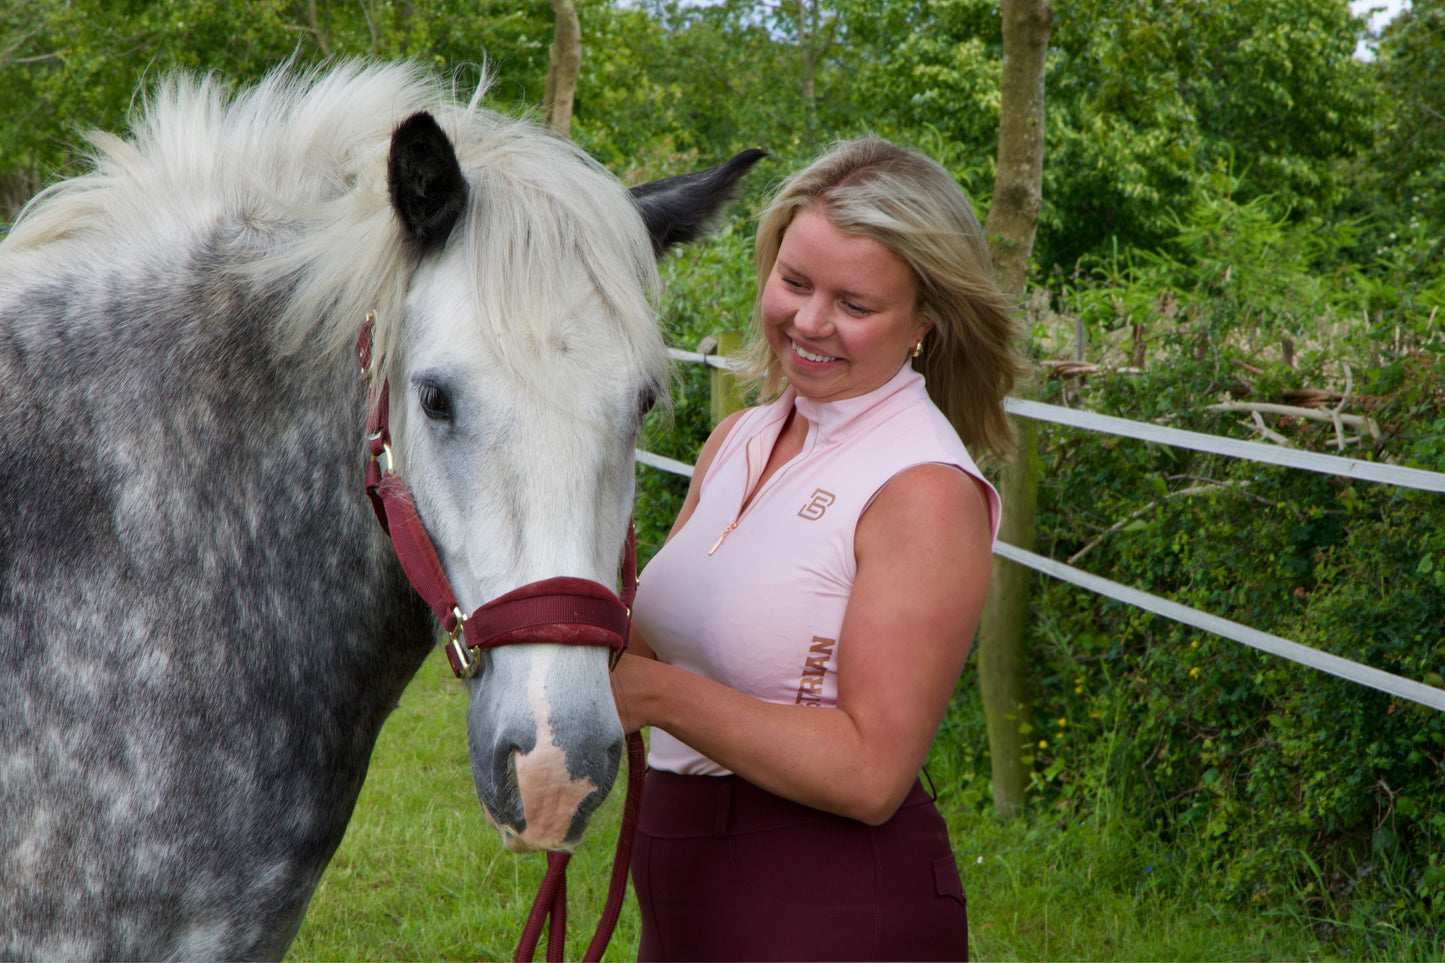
(1153, 96)
(929, 71)
(1410, 151)
(1147, 98)
(739, 73)
(71, 65)
(76, 64)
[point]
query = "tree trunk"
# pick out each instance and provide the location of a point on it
(565, 66)
(16, 187)
(1002, 657)
(1013, 215)
(1012, 223)
(323, 39)
(807, 20)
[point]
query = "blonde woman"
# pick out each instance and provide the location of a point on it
(800, 635)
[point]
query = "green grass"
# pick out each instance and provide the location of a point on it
(421, 876)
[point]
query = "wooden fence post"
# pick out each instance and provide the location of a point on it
(1012, 224)
(1002, 656)
(726, 396)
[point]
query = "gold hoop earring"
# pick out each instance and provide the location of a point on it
(918, 348)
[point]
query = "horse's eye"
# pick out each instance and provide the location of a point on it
(435, 403)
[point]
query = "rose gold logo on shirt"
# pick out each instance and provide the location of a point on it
(810, 686)
(817, 505)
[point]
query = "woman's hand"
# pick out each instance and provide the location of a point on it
(630, 680)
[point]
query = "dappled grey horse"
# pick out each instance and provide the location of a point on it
(202, 626)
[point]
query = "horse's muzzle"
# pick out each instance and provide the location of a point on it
(545, 742)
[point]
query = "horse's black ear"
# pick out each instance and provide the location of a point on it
(427, 188)
(679, 209)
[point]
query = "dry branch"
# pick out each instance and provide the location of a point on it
(1135, 516)
(1332, 416)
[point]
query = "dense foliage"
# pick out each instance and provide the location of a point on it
(1298, 788)
(67, 66)
(1236, 210)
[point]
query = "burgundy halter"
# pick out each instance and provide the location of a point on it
(560, 611)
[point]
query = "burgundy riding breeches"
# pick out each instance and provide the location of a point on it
(726, 871)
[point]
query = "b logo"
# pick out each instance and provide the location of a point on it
(817, 505)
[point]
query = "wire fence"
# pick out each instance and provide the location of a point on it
(1352, 468)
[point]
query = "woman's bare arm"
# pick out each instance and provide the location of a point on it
(923, 552)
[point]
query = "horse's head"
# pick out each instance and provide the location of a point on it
(526, 358)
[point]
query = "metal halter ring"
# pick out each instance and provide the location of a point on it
(461, 651)
(388, 465)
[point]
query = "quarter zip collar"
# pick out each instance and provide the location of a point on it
(835, 421)
(829, 422)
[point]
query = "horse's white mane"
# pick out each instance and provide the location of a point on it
(287, 181)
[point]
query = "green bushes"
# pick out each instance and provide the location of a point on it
(709, 289)
(1294, 785)
(1298, 790)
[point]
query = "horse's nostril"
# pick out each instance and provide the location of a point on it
(505, 783)
(494, 770)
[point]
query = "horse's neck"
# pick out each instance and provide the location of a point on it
(197, 598)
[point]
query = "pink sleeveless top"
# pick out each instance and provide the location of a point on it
(755, 598)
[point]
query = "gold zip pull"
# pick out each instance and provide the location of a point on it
(723, 537)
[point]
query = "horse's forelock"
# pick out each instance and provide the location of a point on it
(546, 223)
(539, 203)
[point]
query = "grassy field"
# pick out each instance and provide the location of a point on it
(420, 876)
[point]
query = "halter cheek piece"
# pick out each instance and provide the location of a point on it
(562, 611)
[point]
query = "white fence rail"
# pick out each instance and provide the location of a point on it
(1248, 450)
(1429, 481)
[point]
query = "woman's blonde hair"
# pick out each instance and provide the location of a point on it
(912, 206)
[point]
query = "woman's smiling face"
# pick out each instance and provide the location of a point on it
(839, 310)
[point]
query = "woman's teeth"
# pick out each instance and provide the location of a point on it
(808, 355)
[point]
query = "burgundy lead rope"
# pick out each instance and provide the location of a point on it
(552, 897)
(565, 611)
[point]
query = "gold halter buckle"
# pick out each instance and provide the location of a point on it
(461, 651)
